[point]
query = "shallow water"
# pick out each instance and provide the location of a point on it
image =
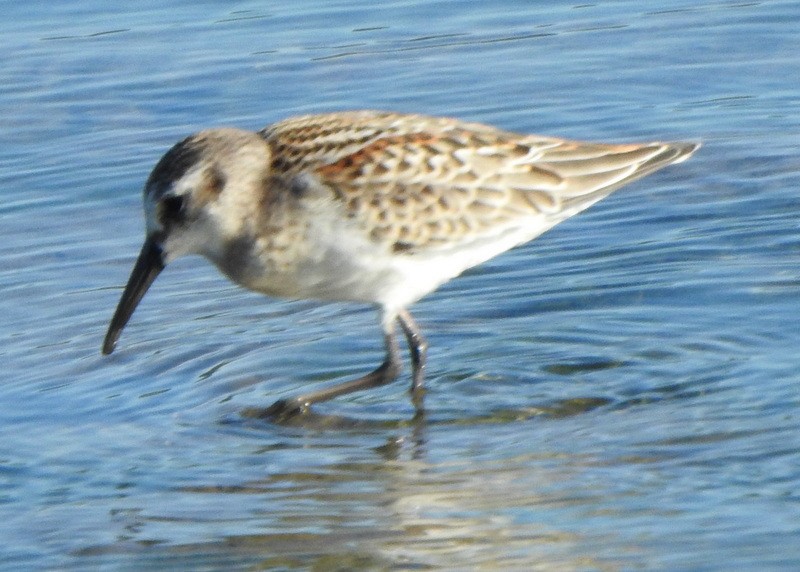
(622, 393)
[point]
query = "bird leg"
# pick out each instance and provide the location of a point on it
(418, 347)
(385, 373)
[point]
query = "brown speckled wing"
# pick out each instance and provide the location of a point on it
(419, 182)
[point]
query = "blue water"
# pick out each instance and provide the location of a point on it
(622, 393)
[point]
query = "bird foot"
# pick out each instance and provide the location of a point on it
(284, 410)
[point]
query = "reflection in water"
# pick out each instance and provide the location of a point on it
(426, 517)
(390, 507)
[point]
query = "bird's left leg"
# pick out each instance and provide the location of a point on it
(418, 347)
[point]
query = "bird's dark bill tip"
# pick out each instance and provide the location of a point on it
(109, 343)
(148, 266)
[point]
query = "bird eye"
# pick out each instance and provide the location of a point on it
(172, 208)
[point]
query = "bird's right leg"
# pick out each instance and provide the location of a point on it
(385, 373)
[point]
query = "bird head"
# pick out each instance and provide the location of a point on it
(193, 204)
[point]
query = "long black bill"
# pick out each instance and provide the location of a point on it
(149, 265)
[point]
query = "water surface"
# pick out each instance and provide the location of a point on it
(622, 393)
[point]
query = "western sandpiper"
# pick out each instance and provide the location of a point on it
(367, 206)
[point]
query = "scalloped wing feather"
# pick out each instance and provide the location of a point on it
(416, 182)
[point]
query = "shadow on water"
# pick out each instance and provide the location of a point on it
(314, 420)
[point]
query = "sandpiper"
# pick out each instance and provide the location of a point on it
(367, 206)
